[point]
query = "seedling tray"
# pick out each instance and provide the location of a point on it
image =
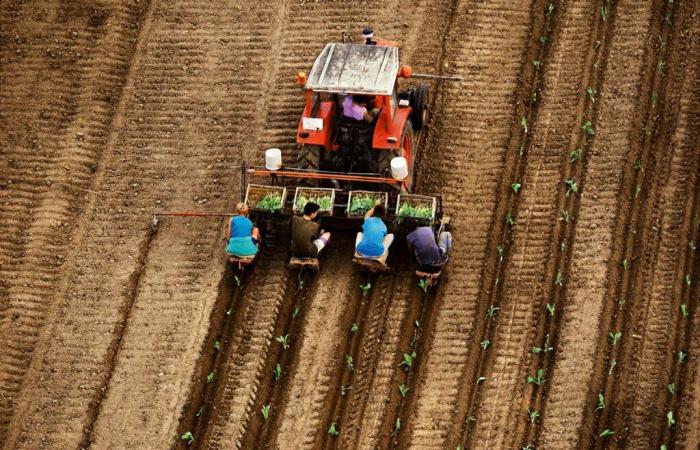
(373, 196)
(257, 192)
(325, 197)
(420, 208)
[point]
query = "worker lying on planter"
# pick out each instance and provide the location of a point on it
(308, 239)
(243, 238)
(373, 241)
(430, 254)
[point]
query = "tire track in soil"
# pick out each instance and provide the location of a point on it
(348, 357)
(536, 256)
(479, 34)
(638, 245)
(52, 147)
(417, 323)
(590, 256)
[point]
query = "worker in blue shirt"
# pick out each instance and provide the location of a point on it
(373, 241)
(243, 237)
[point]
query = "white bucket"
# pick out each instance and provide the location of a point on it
(273, 159)
(399, 168)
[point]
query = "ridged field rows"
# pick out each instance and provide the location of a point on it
(62, 71)
(170, 103)
(467, 152)
(648, 291)
(191, 45)
(367, 404)
(240, 373)
(685, 142)
(591, 257)
(301, 422)
(528, 282)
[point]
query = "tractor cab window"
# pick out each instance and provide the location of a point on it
(320, 97)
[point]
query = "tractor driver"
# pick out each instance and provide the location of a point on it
(355, 107)
(242, 236)
(430, 255)
(307, 237)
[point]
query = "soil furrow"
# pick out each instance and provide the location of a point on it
(477, 30)
(633, 250)
(585, 292)
(303, 418)
(584, 86)
(280, 362)
(530, 267)
(239, 371)
(133, 180)
(641, 391)
(685, 254)
(51, 148)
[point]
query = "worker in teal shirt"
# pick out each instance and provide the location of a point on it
(243, 237)
(373, 241)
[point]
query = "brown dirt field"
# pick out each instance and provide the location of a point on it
(118, 335)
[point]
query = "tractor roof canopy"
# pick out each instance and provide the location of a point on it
(355, 69)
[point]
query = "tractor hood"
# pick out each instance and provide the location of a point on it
(355, 69)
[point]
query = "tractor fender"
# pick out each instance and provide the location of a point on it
(388, 135)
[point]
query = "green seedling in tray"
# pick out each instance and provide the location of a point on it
(423, 211)
(272, 201)
(361, 203)
(323, 201)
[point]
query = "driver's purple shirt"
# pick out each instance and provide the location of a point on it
(356, 112)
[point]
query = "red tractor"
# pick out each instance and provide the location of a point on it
(331, 141)
(348, 161)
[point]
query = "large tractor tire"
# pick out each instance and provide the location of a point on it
(309, 157)
(420, 101)
(407, 150)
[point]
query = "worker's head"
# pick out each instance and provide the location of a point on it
(311, 209)
(379, 211)
(360, 100)
(242, 209)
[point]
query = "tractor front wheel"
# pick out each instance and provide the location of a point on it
(420, 102)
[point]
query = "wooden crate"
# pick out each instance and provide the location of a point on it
(256, 192)
(313, 194)
(374, 194)
(417, 200)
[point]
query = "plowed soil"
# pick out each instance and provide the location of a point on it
(568, 157)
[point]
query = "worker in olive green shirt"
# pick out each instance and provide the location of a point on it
(307, 237)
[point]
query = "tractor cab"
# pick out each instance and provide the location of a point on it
(331, 140)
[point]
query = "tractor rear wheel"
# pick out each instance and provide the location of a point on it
(420, 102)
(309, 157)
(406, 150)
